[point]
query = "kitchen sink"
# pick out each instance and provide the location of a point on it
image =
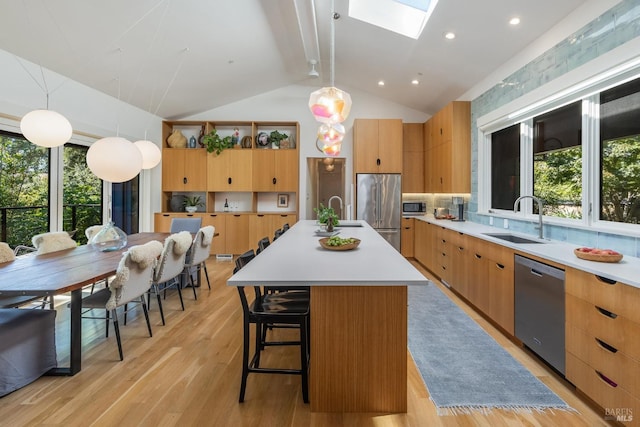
(511, 238)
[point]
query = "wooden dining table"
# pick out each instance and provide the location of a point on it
(66, 271)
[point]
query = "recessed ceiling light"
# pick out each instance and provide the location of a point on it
(450, 35)
(381, 83)
(514, 21)
(415, 82)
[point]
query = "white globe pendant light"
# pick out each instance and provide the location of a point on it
(114, 159)
(151, 154)
(46, 128)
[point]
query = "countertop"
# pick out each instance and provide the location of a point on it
(297, 259)
(626, 271)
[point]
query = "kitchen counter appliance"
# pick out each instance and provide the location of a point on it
(414, 208)
(539, 309)
(379, 203)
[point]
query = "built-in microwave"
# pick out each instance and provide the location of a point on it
(414, 208)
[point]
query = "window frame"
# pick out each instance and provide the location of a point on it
(523, 111)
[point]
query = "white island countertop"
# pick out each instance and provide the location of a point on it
(297, 259)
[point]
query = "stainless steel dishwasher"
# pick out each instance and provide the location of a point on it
(539, 309)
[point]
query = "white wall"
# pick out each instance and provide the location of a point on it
(291, 104)
(90, 112)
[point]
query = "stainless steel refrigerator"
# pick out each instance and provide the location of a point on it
(379, 202)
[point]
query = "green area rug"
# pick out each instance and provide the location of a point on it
(463, 367)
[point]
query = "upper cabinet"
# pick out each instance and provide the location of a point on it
(275, 170)
(413, 158)
(183, 168)
(231, 170)
(447, 157)
(377, 145)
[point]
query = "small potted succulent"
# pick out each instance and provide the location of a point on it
(214, 142)
(192, 203)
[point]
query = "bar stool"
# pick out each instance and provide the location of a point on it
(261, 312)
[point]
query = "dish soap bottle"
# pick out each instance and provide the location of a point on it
(226, 205)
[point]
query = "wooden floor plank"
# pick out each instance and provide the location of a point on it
(188, 374)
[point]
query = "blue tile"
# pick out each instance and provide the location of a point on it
(623, 244)
(582, 237)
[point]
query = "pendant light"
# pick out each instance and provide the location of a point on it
(151, 154)
(330, 105)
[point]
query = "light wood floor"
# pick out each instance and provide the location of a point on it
(188, 374)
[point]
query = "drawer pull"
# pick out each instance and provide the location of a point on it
(460, 248)
(605, 280)
(606, 312)
(606, 380)
(499, 266)
(606, 346)
(478, 256)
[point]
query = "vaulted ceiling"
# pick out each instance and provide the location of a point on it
(181, 57)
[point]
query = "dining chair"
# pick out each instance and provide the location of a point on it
(285, 227)
(261, 312)
(169, 268)
(91, 230)
(8, 255)
(192, 225)
(53, 241)
(131, 283)
(198, 255)
(277, 234)
(263, 244)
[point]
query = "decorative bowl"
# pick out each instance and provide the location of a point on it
(347, 247)
(599, 256)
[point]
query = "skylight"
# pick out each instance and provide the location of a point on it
(405, 17)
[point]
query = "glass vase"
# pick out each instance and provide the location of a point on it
(109, 238)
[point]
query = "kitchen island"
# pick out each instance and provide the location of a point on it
(358, 359)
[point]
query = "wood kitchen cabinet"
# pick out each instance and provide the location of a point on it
(413, 158)
(601, 336)
(218, 245)
(237, 234)
(184, 169)
(265, 225)
(377, 145)
(447, 157)
(424, 243)
(407, 237)
(231, 170)
(275, 170)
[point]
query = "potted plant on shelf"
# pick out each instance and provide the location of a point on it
(326, 216)
(276, 138)
(215, 142)
(191, 203)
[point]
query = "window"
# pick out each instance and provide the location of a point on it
(557, 161)
(582, 153)
(620, 153)
(24, 189)
(505, 167)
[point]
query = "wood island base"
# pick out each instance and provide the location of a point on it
(358, 349)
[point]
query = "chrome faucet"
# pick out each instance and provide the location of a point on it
(339, 199)
(515, 209)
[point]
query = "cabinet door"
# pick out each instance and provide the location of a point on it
(365, 143)
(218, 245)
(390, 145)
(260, 225)
(195, 170)
(162, 222)
(407, 237)
(412, 158)
(286, 170)
(263, 170)
(501, 298)
(282, 219)
(478, 276)
(237, 230)
(173, 178)
(229, 170)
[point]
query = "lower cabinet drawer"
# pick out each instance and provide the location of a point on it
(611, 397)
(604, 358)
(613, 328)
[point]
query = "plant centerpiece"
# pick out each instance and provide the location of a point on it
(326, 216)
(191, 203)
(214, 142)
(276, 138)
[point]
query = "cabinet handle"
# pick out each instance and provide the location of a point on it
(229, 180)
(478, 256)
(184, 180)
(274, 180)
(236, 215)
(260, 215)
(440, 131)
(499, 266)
(606, 346)
(165, 214)
(460, 248)
(606, 380)
(440, 180)
(606, 312)
(605, 280)
(213, 215)
(378, 162)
